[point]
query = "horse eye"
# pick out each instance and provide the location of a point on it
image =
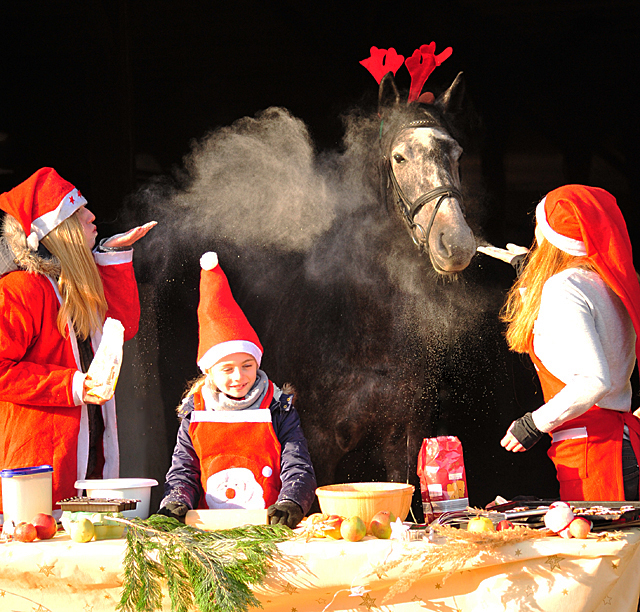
(398, 158)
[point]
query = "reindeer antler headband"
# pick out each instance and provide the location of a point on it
(420, 65)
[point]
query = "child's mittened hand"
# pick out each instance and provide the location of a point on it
(285, 513)
(176, 510)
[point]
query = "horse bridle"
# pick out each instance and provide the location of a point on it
(408, 209)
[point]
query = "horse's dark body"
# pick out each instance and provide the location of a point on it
(384, 350)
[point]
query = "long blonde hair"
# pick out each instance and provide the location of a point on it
(83, 300)
(523, 300)
(194, 386)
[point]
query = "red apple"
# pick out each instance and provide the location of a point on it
(45, 524)
(380, 525)
(353, 529)
(504, 525)
(333, 522)
(24, 532)
(580, 527)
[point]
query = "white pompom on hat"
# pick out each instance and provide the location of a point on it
(41, 203)
(558, 517)
(223, 327)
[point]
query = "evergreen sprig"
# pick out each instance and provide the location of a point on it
(211, 570)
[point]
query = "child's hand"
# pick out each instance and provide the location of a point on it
(285, 513)
(127, 239)
(88, 397)
(176, 510)
(507, 255)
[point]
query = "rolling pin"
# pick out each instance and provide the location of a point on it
(210, 520)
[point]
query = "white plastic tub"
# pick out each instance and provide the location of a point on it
(25, 493)
(122, 488)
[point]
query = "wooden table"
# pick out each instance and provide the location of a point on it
(546, 574)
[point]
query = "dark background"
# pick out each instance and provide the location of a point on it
(111, 93)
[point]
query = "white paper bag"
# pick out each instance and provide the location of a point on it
(104, 370)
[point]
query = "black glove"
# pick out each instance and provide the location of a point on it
(176, 510)
(285, 513)
(525, 431)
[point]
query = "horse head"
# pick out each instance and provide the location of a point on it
(420, 160)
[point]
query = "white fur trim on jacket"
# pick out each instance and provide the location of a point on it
(110, 437)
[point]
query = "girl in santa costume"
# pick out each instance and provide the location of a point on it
(575, 309)
(55, 294)
(240, 443)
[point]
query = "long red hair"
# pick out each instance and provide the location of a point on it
(523, 300)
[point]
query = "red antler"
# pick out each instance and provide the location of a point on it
(382, 61)
(421, 64)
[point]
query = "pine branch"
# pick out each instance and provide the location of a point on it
(211, 571)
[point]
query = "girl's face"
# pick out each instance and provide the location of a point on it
(234, 374)
(86, 218)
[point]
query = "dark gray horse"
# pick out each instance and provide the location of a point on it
(367, 322)
(357, 270)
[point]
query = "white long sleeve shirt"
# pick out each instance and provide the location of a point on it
(584, 336)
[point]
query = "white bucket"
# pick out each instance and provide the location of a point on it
(25, 493)
(122, 488)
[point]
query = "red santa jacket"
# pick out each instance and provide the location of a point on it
(39, 421)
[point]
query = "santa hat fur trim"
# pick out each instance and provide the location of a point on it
(41, 203)
(224, 328)
(569, 245)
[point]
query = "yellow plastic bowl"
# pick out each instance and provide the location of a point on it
(365, 499)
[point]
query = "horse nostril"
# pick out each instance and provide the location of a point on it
(444, 247)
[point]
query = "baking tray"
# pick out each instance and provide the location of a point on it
(604, 515)
(96, 504)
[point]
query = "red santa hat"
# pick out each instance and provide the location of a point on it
(586, 221)
(41, 203)
(224, 328)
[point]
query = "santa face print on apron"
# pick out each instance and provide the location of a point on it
(239, 456)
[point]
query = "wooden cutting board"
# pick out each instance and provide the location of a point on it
(210, 520)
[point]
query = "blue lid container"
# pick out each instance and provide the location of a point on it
(26, 471)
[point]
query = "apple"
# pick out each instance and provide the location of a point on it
(82, 530)
(380, 525)
(580, 527)
(480, 524)
(333, 523)
(353, 529)
(24, 532)
(45, 524)
(502, 525)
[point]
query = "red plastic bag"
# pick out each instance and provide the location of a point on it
(443, 482)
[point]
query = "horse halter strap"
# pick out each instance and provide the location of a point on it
(409, 209)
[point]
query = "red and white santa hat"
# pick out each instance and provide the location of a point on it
(41, 203)
(586, 221)
(224, 328)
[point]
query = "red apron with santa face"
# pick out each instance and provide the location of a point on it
(239, 455)
(587, 450)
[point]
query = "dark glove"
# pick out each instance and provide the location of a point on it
(285, 513)
(525, 431)
(176, 510)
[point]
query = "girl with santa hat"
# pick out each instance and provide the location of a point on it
(240, 443)
(575, 309)
(55, 294)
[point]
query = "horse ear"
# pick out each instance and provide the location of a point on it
(451, 100)
(388, 95)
